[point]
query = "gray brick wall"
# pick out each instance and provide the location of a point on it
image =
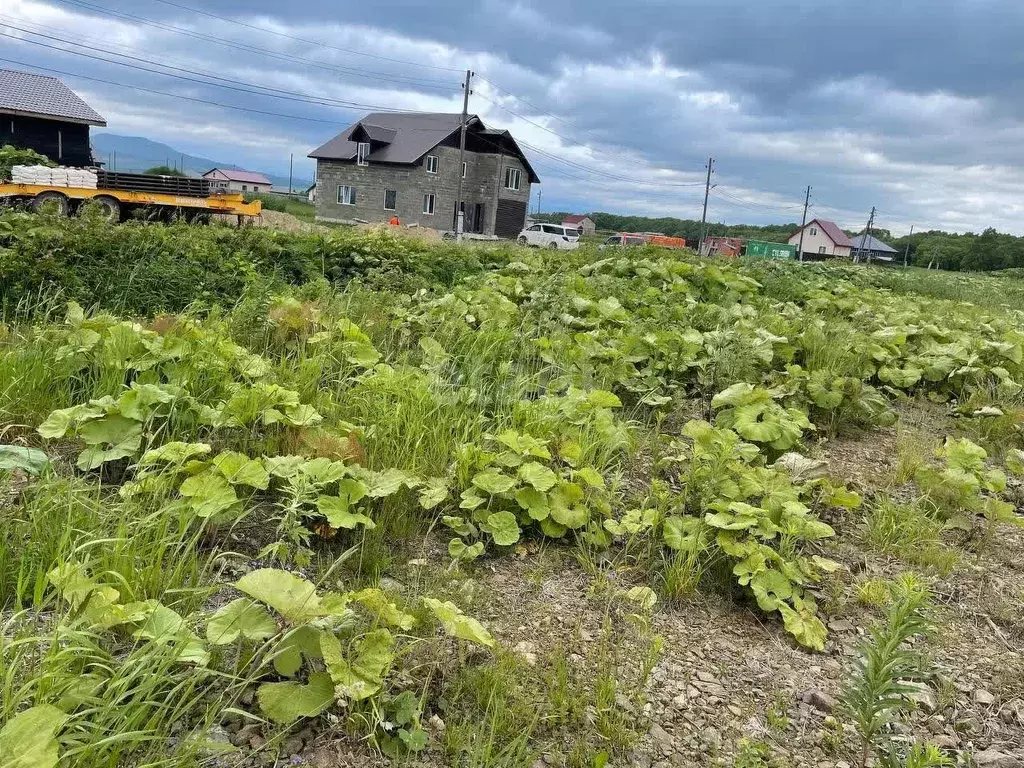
(484, 183)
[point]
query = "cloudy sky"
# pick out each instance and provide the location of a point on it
(915, 107)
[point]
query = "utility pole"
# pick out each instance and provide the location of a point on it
(803, 225)
(864, 238)
(540, 199)
(906, 251)
(460, 213)
(291, 167)
(704, 215)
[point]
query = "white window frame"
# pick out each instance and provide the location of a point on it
(513, 174)
(464, 165)
(429, 196)
(821, 249)
(814, 231)
(431, 165)
(363, 153)
(395, 206)
(344, 196)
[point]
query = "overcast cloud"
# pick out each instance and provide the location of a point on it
(916, 107)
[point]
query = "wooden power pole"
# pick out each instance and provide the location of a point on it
(803, 224)
(460, 214)
(704, 215)
(906, 251)
(864, 238)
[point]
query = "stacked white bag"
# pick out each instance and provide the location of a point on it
(40, 175)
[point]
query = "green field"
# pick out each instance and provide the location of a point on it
(350, 499)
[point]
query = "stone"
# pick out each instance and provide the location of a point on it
(246, 732)
(945, 741)
(436, 724)
(820, 700)
(993, 758)
(984, 698)
(921, 694)
(660, 735)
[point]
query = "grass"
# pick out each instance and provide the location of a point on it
(909, 532)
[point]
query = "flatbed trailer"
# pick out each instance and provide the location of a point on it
(120, 202)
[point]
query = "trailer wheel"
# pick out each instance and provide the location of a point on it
(51, 201)
(110, 206)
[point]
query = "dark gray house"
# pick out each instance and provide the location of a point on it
(406, 165)
(871, 248)
(41, 113)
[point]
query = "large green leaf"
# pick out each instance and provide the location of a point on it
(389, 482)
(30, 460)
(209, 494)
(174, 453)
(28, 740)
(434, 491)
(239, 469)
(566, 507)
(458, 550)
(380, 607)
(303, 641)
(123, 438)
(537, 475)
(458, 624)
(504, 528)
(533, 501)
(493, 482)
(1015, 462)
(240, 618)
(158, 623)
(288, 701)
(360, 673)
(336, 510)
(291, 596)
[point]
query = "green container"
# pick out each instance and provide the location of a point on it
(759, 249)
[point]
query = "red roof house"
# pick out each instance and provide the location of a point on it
(237, 180)
(582, 222)
(822, 240)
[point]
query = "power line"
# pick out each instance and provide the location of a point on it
(386, 77)
(754, 204)
(304, 40)
(276, 93)
(166, 93)
(531, 106)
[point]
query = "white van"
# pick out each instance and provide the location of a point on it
(553, 236)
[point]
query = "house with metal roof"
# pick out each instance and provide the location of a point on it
(582, 222)
(39, 112)
(870, 248)
(237, 181)
(405, 165)
(821, 240)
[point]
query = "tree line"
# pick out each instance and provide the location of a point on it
(969, 252)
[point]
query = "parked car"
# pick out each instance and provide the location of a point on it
(623, 241)
(553, 236)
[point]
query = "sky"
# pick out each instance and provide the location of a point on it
(913, 107)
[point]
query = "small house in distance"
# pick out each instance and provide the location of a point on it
(237, 181)
(405, 165)
(39, 112)
(870, 248)
(822, 240)
(582, 222)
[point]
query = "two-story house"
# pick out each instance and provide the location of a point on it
(822, 240)
(405, 165)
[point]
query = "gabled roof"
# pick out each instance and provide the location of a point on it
(575, 219)
(831, 230)
(406, 137)
(235, 174)
(32, 95)
(873, 244)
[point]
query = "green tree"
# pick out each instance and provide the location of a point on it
(163, 170)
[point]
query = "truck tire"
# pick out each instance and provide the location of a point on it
(111, 207)
(54, 200)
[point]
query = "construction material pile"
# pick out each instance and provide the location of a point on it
(40, 175)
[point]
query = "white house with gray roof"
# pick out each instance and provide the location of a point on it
(406, 165)
(39, 112)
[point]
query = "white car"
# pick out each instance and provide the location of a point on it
(553, 236)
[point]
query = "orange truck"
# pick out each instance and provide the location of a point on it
(665, 241)
(626, 239)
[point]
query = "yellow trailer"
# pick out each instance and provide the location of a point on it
(119, 202)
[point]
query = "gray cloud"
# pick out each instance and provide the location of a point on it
(914, 107)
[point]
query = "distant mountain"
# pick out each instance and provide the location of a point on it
(135, 154)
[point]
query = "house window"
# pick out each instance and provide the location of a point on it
(428, 204)
(821, 249)
(363, 153)
(390, 199)
(245, 187)
(431, 163)
(513, 178)
(346, 195)
(464, 170)
(814, 231)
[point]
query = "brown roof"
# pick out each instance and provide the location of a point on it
(237, 174)
(831, 229)
(575, 219)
